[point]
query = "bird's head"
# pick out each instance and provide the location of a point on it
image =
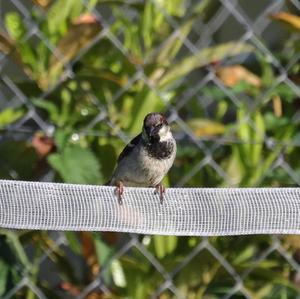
(156, 128)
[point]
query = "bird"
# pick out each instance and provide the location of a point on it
(147, 158)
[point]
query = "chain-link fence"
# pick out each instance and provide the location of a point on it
(78, 77)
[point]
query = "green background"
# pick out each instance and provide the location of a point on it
(77, 79)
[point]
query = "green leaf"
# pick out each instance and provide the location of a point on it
(61, 138)
(9, 263)
(104, 252)
(73, 241)
(205, 127)
(10, 115)
(102, 249)
(261, 171)
(17, 31)
(267, 75)
(202, 58)
(159, 246)
(9, 46)
(258, 138)
(285, 92)
(118, 275)
(50, 107)
(164, 245)
(14, 25)
(171, 243)
(244, 132)
(173, 44)
(147, 24)
(4, 270)
(235, 167)
(146, 102)
(60, 12)
(206, 9)
(275, 123)
(15, 244)
(174, 8)
(76, 165)
(244, 255)
(90, 4)
(77, 37)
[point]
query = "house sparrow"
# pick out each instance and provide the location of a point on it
(147, 158)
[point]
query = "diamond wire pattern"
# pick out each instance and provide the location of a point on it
(212, 74)
(253, 32)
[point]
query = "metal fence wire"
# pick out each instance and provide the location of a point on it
(77, 78)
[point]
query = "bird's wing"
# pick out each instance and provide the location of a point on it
(129, 147)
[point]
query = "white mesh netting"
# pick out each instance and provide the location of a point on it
(190, 211)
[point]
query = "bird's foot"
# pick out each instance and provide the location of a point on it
(120, 192)
(161, 190)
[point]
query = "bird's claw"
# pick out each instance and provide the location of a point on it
(119, 191)
(161, 190)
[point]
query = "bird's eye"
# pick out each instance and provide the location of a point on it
(158, 126)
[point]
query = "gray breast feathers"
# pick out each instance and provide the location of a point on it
(144, 166)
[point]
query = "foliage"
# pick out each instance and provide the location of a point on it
(109, 92)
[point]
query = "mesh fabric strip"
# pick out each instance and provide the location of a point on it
(185, 211)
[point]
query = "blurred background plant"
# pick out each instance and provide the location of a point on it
(78, 77)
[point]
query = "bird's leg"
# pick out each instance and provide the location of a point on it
(161, 190)
(120, 191)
